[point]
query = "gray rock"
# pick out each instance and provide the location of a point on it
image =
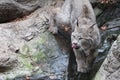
(110, 69)
(28, 48)
(12, 9)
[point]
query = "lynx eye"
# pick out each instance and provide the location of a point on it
(73, 36)
(80, 38)
(90, 32)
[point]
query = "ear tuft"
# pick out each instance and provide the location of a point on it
(93, 25)
(91, 28)
(76, 25)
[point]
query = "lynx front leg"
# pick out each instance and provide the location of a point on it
(90, 59)
(83, 65)
(81, 62)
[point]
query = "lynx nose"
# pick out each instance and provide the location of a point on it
(75, 43)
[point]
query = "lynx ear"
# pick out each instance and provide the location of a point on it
(93, 25)
(86, 11)
(76, 24)
(91, 28)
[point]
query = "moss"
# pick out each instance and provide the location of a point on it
(32, 53)
(39, 56)
(97, 76)
(26, 63)
(25, 49)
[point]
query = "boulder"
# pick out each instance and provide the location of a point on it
(29, 50)
(110, 69)
(12, 9)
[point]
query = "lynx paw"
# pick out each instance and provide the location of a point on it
(53, 30)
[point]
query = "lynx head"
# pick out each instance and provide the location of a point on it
(82, 37)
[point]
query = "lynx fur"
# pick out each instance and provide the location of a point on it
(60, 16)
(85, 38)
(67, 14)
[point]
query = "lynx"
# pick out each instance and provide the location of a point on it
(85, 38)
(60, 16)
(65, 15)
(84, 43)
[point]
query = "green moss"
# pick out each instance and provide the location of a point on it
(25, 49)
(97, 76)
(32, 53)
(43, 38)
(40, 56)
(26, 63)
(24, 58)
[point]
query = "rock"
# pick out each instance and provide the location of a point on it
(7, 59)
(12, 9)
(30, 50)
(110, 69)
(106, 15)
(97, 11)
